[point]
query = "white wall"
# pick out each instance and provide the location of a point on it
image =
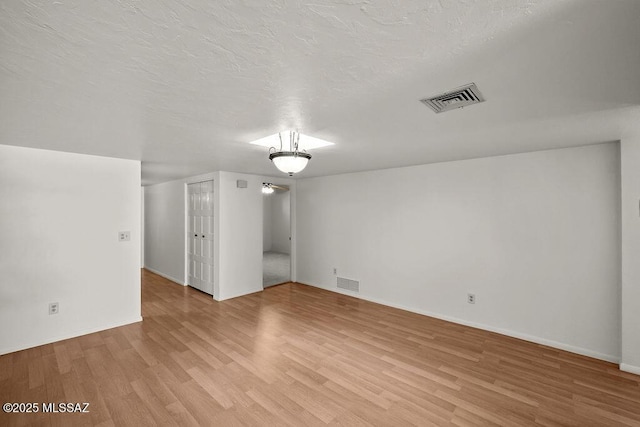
(61, 214)
(630, 177)
(164, 234)
(141, 227)
(280, 221)
(266, 221)
(535, 236)
(240, 236)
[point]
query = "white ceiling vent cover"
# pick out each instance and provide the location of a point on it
(456, 98)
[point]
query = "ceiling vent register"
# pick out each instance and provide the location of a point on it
(457, 98)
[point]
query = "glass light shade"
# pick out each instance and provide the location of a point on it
(267, 189)
(290, 161)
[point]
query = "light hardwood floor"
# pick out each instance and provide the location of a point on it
(297, 355)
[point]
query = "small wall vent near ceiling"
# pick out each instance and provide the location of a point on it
(348, 284)
(456, 98)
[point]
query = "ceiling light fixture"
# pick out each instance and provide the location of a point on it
(306, 142)
(292, 161)
(267, 188)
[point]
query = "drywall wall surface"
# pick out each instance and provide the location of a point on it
(281, 222)
(266, 221)
(141, 227)
(164, 222)
(61, 217)
(240, 235)
(535, 237)
(630, 201)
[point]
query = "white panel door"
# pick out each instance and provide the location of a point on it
(200, 236)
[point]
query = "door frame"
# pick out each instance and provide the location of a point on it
(292, 220)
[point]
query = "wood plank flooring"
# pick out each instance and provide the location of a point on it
(297, 355)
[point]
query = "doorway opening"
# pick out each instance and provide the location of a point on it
(276, 246)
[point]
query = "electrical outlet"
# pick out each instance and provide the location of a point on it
(471, 298)
(124, 236)
(335, 271)
(54, 308)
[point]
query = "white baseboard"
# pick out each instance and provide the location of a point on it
(73, 334)
(501, 331)
(166, 276)
(253, 291)
(630, 368)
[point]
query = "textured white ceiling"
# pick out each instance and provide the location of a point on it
(185, 85)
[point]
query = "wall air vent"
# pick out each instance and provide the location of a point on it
(348, 284)
(456, 98)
